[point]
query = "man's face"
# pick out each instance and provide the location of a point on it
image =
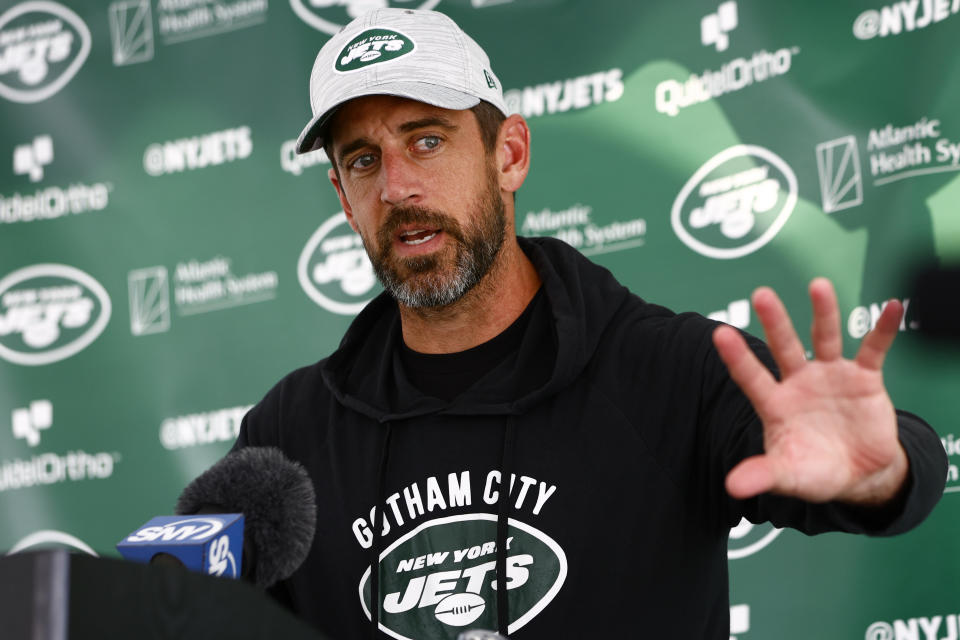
(417, 185)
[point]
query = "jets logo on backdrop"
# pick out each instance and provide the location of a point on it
(441, 577)
(42, 46)
(330, 16)
(334, 269)
(747, 538)
(49, 312)
(50, 538)
(373, 47)
(735, 203)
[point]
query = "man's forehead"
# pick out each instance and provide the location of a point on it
(371, 112)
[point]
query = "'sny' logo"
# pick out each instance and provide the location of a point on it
(715, 26)
(30, 421)
(219, 555)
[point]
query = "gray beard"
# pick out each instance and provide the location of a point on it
(427, 281)
(435, 289)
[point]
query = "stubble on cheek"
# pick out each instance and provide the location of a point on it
(441, 277)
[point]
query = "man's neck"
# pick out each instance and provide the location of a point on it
(480, 315)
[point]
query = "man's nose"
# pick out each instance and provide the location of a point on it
(399, 177)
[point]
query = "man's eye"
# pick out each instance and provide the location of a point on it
(362, 161)
(428, 143)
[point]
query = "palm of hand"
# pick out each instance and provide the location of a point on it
(830, 429)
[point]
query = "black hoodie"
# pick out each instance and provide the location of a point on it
(618, 520)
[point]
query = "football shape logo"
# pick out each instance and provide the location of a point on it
(460, 609)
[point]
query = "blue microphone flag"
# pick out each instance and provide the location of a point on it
(211, 544)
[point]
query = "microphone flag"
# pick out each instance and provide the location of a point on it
(211, 544)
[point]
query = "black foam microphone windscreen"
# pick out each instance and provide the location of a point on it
(275, 496)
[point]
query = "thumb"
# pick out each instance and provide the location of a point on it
(751, 477)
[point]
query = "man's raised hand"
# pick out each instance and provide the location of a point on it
(829, 427)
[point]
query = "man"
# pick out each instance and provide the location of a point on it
(507, 438)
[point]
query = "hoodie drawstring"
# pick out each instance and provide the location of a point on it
(503, 512)
(377, 534)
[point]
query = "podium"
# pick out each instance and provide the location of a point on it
(56, 595)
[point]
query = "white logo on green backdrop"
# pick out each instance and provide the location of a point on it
(838, 167)
(736, 314)
(198, 152)
(570, 94)
(902, 17)
(334, 269)
(131, 31)
(30, 159)
(198, 429)
(714, 27)
(747, 538)
(330, 16)
(47, 538)
(149, 301)
(49, 312)
(28, 422)
(295, 163)
(42, 46)
(910, 628)
(951, 443)
(735, 203)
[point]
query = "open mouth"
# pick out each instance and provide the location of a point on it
(415, 237)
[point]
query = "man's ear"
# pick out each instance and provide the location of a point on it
(335, 180)
(513, 152)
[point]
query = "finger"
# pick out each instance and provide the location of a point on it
(784, 344)
(747, 371)
(751, 477)
(827, 339)
(875, 345)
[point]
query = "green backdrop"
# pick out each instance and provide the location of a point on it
(165, 258)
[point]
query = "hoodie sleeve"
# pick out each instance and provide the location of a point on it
(735, 433)
(259, 427)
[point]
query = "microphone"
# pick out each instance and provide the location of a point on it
(275, 496)
(203, 544)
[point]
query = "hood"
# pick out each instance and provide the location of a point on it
(365, 374)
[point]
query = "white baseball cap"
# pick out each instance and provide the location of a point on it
(421, 55)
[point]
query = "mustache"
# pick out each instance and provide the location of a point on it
(412, 215)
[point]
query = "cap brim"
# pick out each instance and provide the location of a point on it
(312, 136)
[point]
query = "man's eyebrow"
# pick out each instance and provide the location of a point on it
(429, 121)
(350, 147)
(406, 127)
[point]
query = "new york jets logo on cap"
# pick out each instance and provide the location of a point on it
(373, 46)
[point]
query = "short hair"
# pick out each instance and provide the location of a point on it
(489, 118)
